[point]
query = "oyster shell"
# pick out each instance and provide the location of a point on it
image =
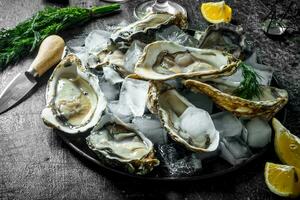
(266, 106)
(176, 113)
(74, 100)
(164, 60)
(152, 21)
(225, 37)
(120, 145)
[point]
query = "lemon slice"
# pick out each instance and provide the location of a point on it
(283, 180)
(216, 12)
(287, 145)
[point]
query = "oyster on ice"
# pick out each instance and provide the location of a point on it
(119, 145)
(225, 37)
(74, 100)
(164, 60)
(266, 105)
(152, 21)
(185, 123)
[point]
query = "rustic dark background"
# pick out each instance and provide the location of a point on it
(36, 164)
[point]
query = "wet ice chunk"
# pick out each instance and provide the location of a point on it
(132, 55)
(113, 27)
(266, 72)
(91, 60)
(177, 161)
(111, 75)
(199, 100)
(134, 95)
(234, 150)
(175, 34)
(176, 83)
(196, 126)
(236, 78)
(96, 41)
(227, 124)
(120, 110)
(110, 91)
(259, 133)
(151, 128)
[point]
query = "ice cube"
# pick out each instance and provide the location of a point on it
(151, 127)
(177, 161)
(244, 134)
(199, 100)
(227, 124)
(134, 95)
(91, 60)
(236, 77)
(259, 133)
(266, 72)
(113, 27)
(196, 126)
(132, 55)
(120, 110)
(111, 75)
(176, 83)
(175, 34)
(234, 150)
(96, 41)
(110, 91)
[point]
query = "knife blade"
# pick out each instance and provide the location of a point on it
(49, 54)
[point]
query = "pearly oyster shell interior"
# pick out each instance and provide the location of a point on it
(74, 100)
(120, 145)
(163, 60)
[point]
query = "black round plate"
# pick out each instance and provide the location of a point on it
(213, 167)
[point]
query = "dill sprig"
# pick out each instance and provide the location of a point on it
(19, 41)
(249, 87)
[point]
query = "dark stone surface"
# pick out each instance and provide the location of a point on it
(36, 164)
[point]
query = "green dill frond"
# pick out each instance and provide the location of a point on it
(249, 87)
(19, 41)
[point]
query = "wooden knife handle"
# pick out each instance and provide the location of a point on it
(49, 54)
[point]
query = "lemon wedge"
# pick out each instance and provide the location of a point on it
(216, 12)
(283, 180)
(287, 145)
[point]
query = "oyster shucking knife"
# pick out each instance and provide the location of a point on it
(49, 54)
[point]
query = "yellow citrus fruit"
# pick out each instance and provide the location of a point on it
(287, 145)
(216, 12)
(283, 180)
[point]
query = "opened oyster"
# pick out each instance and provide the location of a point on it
(185, 123)
(266, 105)
(164, 60)
(225, 37)
(152, 21)
(74, 100)
(120, 145)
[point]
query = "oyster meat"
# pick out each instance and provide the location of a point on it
(266, 105)
(152, 21)
(74, 100)
(120, 145)
(185, 123)
(164, 60)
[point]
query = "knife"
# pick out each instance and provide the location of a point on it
(49, 54)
